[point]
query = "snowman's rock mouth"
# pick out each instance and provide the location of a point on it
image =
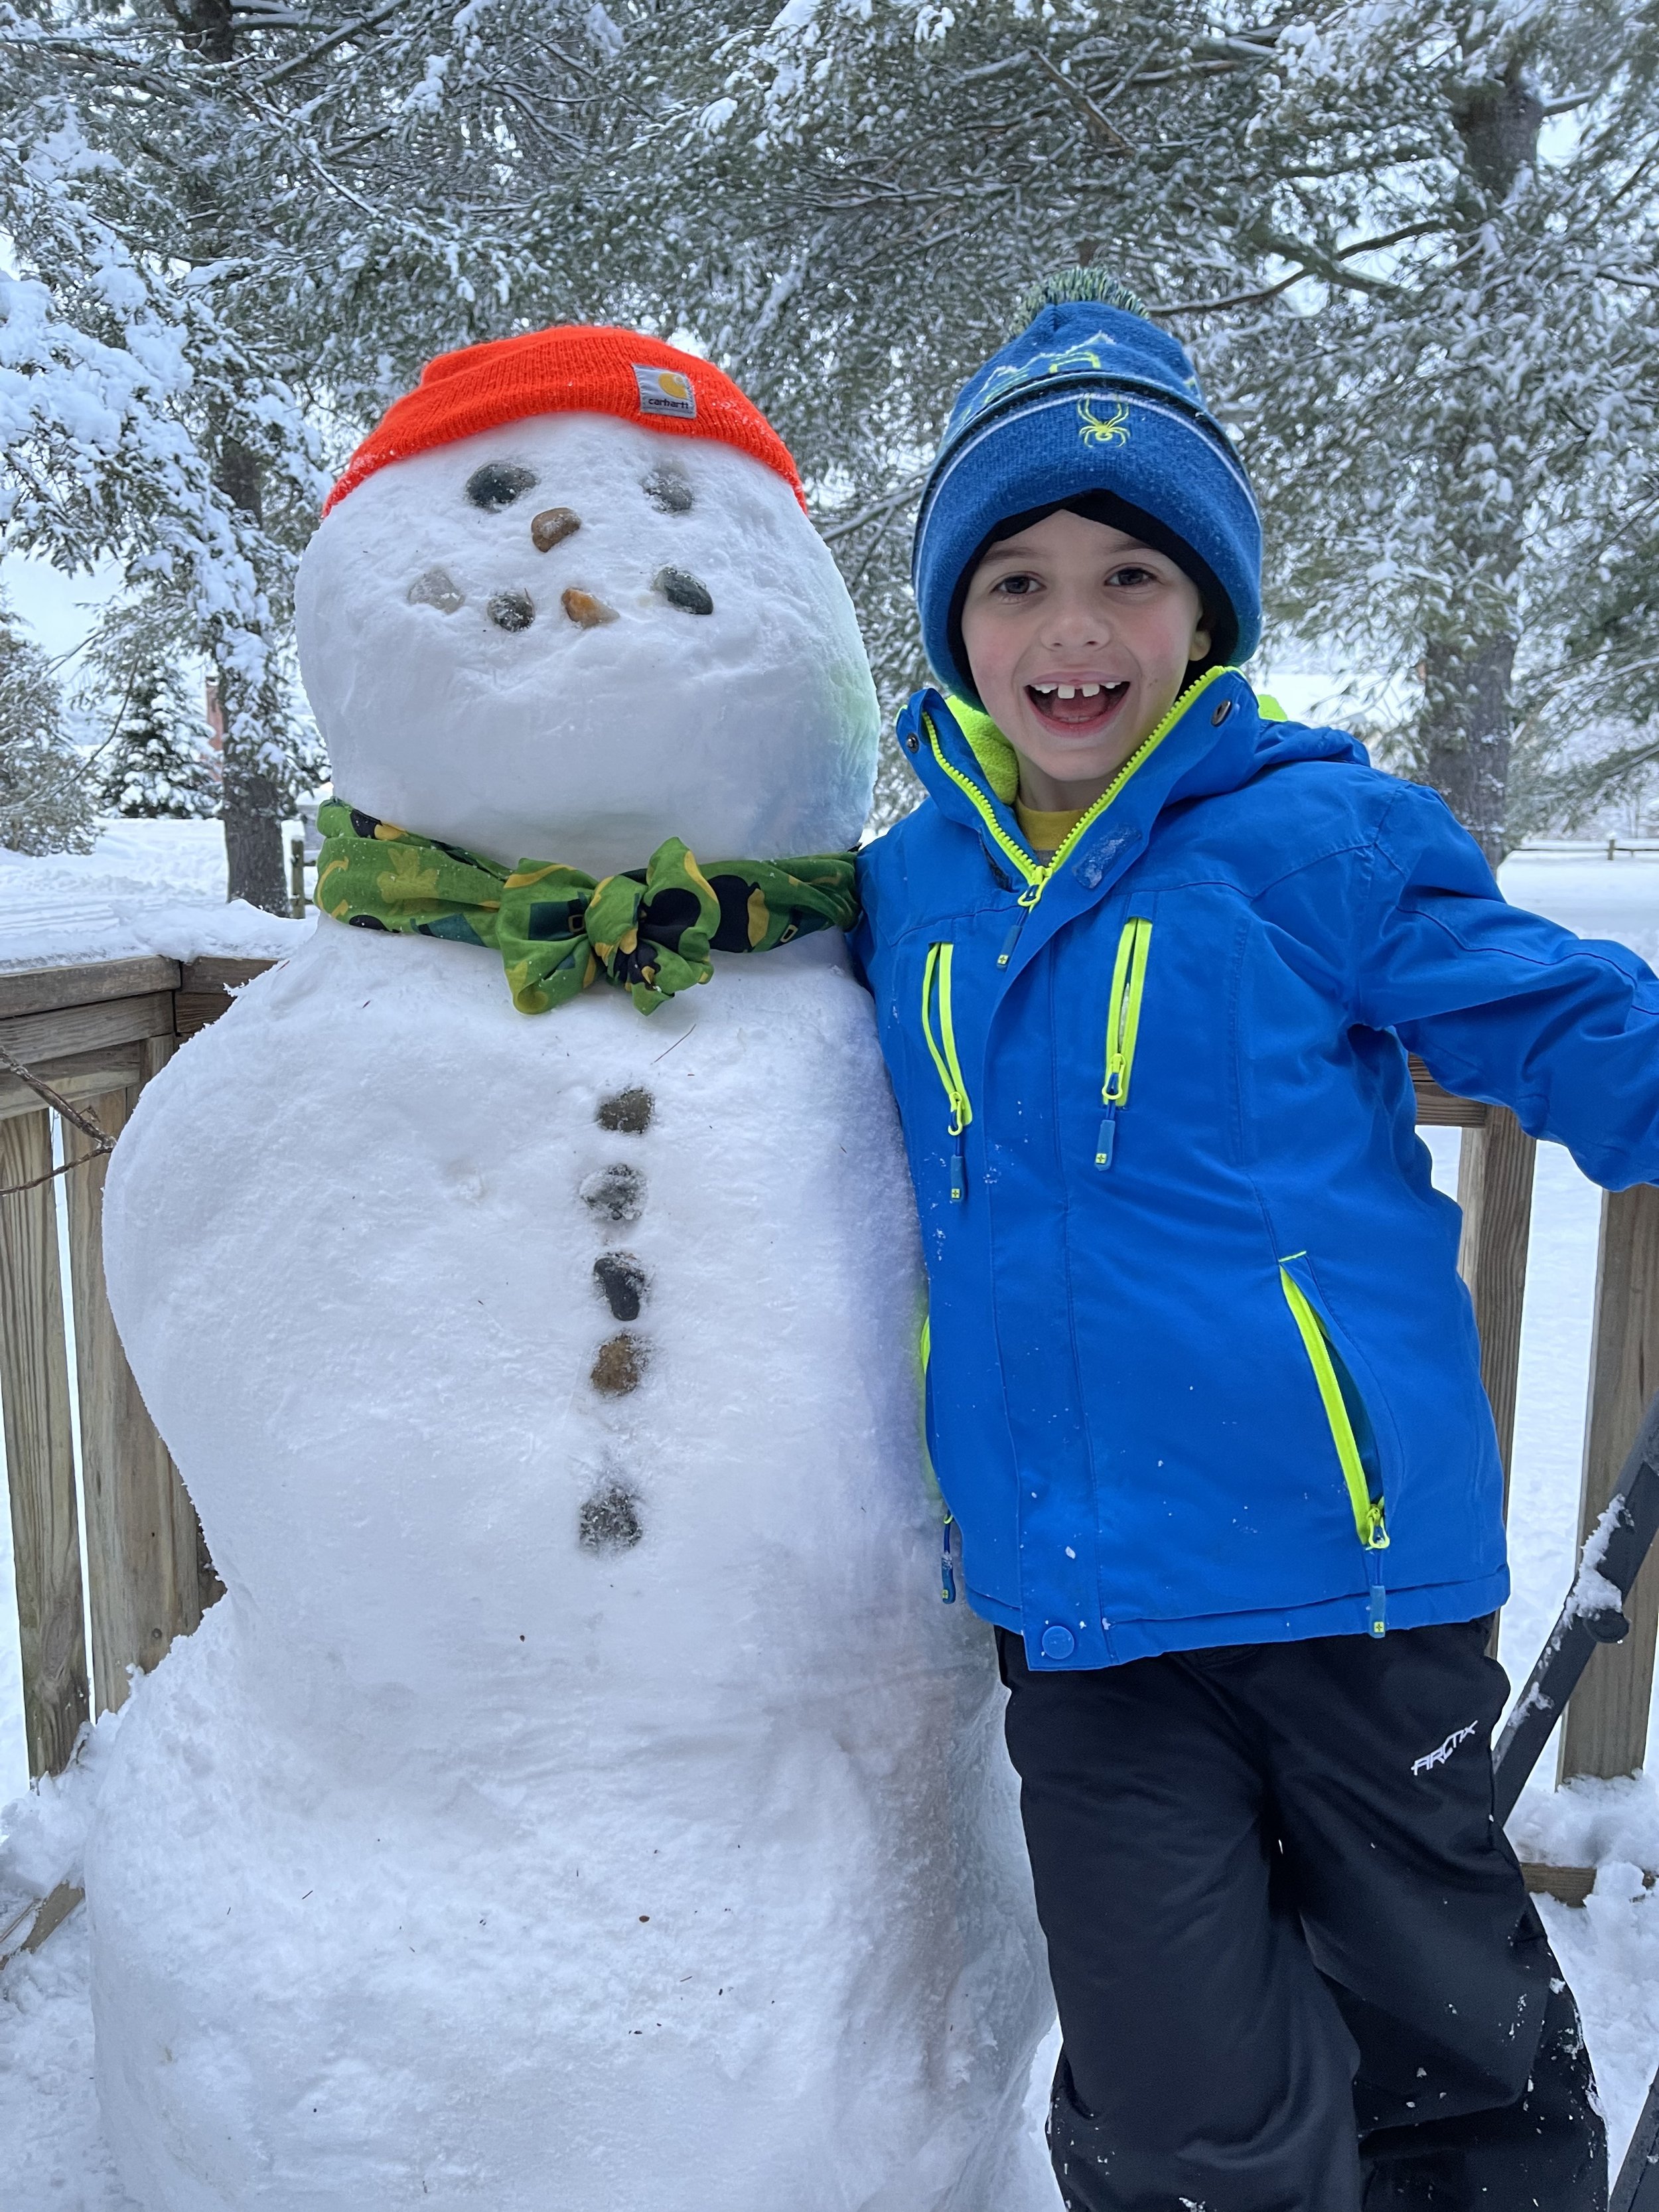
(511, 610)
(437, 588)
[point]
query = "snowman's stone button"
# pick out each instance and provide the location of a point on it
(585, 611)
(620, 1365)
(511, 610)
(497, 485)
(1057, 1643)
(552, 526)
(437, 588)
(683, 590)
(669, 493)
(610, 1520)
(617, 1193)
(623, 1283)
(630, 1110)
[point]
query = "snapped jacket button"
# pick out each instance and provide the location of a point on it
(1058, 1642)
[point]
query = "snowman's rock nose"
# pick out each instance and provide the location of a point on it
(585, 611)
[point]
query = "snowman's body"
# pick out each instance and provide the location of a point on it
(581, 1800)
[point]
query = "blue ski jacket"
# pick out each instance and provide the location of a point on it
(1200, 1368)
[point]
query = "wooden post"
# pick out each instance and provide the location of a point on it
(141, 1532)
(1494, 1188)
(40, 1448)
(1605, 1728)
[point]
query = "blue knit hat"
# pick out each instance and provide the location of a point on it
(1092, 404)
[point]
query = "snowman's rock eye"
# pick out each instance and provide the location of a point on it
(623, 1282)
(497, 485)
(682, 589)
(610, 1520)
(437, 588)
(668, 491)
(552, 526)
(620, 1366)
(511, 610)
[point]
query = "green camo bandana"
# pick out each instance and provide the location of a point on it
(651, 929)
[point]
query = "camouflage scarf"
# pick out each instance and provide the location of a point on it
(651, 929)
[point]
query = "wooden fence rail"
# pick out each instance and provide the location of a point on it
(98, 1033)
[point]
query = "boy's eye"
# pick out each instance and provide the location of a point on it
(1015, 587)
(1133, 575)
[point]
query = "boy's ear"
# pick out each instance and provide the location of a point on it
(1199, 647)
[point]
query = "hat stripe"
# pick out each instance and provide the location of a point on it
(951, 458)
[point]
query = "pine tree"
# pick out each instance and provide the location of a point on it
(44, 802)
(156, 767)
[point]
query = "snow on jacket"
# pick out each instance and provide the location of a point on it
(1201, 1370)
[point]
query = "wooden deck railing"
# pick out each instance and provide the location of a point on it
(98, 1033)
(94, 1035)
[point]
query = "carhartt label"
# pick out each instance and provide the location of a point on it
(665, 392)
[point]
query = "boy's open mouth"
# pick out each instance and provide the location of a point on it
(1076, 706)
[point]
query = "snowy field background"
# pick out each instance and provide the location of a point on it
(160, 887)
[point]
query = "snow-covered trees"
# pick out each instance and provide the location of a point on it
(1411, 240)
(1451, 432)
(156, 763)
(45, 804)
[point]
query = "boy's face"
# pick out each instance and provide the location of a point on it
(1072, 606)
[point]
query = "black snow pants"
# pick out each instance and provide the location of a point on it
(1295, 1965)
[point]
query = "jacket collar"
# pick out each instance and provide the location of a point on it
(970, 771)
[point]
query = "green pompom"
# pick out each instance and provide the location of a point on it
(1077, 282)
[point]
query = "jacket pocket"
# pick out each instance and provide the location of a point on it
(1122, 1028)
(940, 1031)
(1350, 1425)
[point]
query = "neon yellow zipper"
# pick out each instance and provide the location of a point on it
(1370, 1518)
(1123, 1027)
(1037, 874)
(942, 1048)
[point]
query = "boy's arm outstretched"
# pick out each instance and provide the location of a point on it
(1504, 1006)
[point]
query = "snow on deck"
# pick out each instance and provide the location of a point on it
(160, 887)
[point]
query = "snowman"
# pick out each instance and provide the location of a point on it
(580, 1800)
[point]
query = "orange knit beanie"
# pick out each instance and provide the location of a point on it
(576, 368)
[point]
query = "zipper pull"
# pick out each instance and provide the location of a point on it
(947, 1570)
(1379, 1595)
(1106, 1142)
(959, 1168)
(1028, 899)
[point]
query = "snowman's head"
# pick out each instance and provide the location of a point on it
(572, 635)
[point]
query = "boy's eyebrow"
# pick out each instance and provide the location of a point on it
(1006, 550)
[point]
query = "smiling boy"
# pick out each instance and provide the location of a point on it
(1204, 1391)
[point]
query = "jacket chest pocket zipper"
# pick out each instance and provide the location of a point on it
(938, 1029)
(1123, 1027)
(1364, 1484)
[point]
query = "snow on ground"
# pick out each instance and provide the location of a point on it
(150, 880)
